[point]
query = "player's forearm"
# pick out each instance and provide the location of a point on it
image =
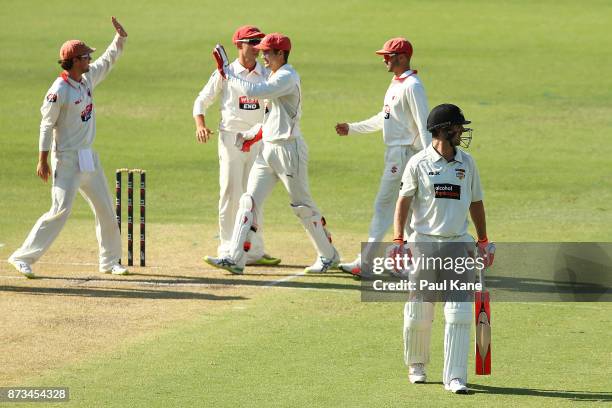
(43, 156)
(477, 212)
(200, 121)
(401, 214)
(370, 125)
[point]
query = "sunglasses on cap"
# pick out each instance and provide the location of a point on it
(251, 41)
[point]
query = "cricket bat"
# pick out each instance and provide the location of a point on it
(482, 310)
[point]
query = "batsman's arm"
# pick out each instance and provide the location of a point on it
(417, 100)
(477, 212)
(373, 124)
(401, 215)
(282, 83)
(408, 190)
(99, 69)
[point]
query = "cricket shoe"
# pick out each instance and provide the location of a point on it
(266, 260)
(416, 373)
(115, 269)
(23, 268)
(354, 268)
(323, 264)
(456, 386)
(224, 263)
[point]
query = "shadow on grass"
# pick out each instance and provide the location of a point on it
(116, 293)
(243, 280)
(532, 392)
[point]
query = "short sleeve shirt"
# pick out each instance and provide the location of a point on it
(441, 192)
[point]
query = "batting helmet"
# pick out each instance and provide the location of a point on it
(445, 115)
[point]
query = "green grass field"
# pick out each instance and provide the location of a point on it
(533, 78)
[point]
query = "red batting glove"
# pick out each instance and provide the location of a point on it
(486, 250)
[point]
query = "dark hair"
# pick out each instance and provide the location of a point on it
(66, 64)
(285, 54)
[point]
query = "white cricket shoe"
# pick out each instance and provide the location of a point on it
(323, 264)
(416, 373)
(456, 386)
(115, 269)
(23, 267)
(354, 268)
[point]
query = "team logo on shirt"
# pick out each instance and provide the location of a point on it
(446, 190)
(460, 173)
(246, 103)
(394, 169)
(52, 97)
(434, 173)
(86, 113)
(387, 111)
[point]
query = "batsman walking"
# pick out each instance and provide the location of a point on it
(442, 185)
(68, 130)
(403, 122)
(284, 157)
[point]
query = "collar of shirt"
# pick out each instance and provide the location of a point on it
(238, 68)
(405, 75)
(69, 80)
(435, 156)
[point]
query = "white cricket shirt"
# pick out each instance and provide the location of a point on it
(68, 112)
(441, 192)
(403, 118)
(284, 107)
(239, 112)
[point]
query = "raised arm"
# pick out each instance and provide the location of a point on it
(100, 68)
(279, 84)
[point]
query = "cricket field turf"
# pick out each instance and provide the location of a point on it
(532, 76)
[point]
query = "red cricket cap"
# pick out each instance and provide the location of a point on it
(397, 45)
(247, 32)
(74, 48)
(275, 41)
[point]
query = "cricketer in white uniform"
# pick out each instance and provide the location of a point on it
(403, 122)
(68, 128)
(441, 184)
(239, 113)
(284, 157)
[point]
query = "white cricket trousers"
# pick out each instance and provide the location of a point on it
(67, 180)
(418, 319)
(234, 168)
(287, 161)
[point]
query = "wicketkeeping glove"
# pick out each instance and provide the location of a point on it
(221, 58)
(486, 250)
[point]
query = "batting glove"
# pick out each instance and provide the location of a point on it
(486, 250)
(399, 252)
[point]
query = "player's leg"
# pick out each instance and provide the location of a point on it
(232, 185)
(94, 188)
(418, 319)
(261, 182)
(458, 317)
(290, 162)
(257, 254)
(65, 184)
(396, 158)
